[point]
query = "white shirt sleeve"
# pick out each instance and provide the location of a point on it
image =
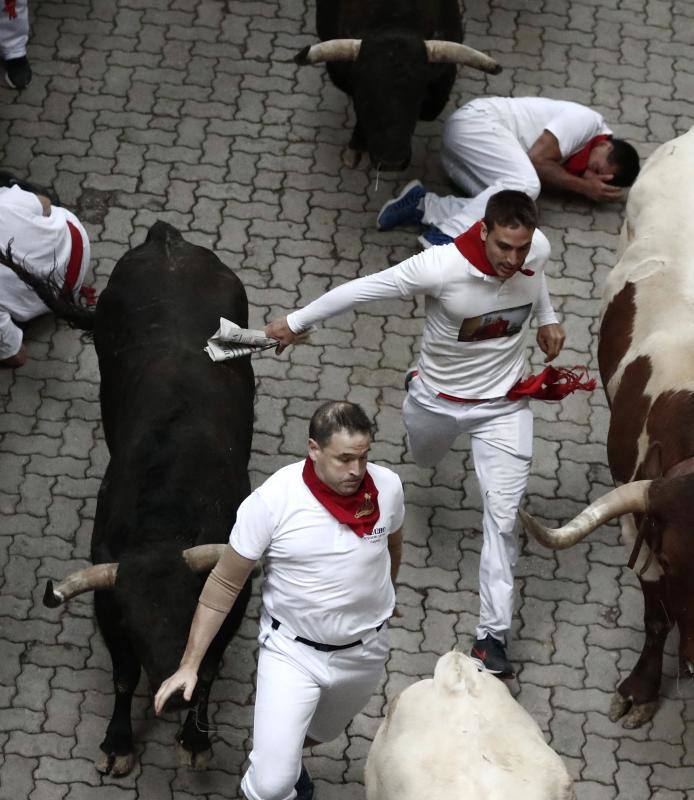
(421, 274)
(543, 310)
(575, 127)
(252, 533)
(10, 336)
(399, 518)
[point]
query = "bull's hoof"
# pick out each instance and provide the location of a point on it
(197, 761)
(351, 158)
(618, 707)
(639, 715)
(633, 715)
(117, 766)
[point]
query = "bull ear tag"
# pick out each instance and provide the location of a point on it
(367, 507)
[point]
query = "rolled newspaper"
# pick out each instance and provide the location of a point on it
(231, 341)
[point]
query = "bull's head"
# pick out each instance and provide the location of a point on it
(389, 79)
(666, 511)
(155, 596)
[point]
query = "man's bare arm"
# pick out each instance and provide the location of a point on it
(218, 595)
(546, 157)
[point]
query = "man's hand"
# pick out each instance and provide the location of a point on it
(184, 678)
(550, 338)
(596, 187)
(278, 329)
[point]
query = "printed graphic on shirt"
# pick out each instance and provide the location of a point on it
(494, 324)
(376, 535)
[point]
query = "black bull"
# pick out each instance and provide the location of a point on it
(380, 53)
(178, 428)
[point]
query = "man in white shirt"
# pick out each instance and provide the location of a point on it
(524, 143)
(14, 35)
(330, 529)
(46, 240)
(481, 292)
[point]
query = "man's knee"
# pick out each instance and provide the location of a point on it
(502, 509)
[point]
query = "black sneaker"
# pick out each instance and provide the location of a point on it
(18, 72)
(490, 656)
(304, 786)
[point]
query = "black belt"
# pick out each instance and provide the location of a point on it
(324, 648)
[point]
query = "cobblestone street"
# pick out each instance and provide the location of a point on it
(194, 112)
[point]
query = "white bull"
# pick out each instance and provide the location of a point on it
(461, 735)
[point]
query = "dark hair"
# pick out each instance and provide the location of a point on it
(337, 415)
(626, 160)
(510, 209)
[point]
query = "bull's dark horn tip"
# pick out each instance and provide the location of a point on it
(496, 70)
(301, 57)
(50, 600)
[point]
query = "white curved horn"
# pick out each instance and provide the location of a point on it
(332, 50)
(98, 576)
(203, 557)
(454, 53)
(631, 497)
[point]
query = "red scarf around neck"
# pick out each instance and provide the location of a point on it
(577, 164)
(11, 9)
(471, 247)
(358, 510)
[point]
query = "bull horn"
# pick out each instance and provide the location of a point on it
(332, 50)
(629, 498)
(455, 53)
(203, 557)
(98, 576)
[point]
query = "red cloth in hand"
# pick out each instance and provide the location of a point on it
(553, 383)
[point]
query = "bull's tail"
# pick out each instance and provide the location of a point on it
(62, 304)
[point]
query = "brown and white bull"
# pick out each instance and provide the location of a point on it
(646, 357)
(462, 735)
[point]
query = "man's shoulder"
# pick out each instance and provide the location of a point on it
(386, 479)
(540, 248)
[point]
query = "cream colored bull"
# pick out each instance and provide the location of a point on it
(461, 736)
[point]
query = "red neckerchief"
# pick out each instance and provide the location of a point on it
(358, 510)
(577, 164)
(471, 247)
(10, 8)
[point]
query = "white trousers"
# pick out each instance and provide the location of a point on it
(501, 434)
(14, 33)
(482, 156)
(304, 692)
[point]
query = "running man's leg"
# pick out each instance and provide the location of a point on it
(502, 450)
(430, 431)
(354, 676)
(286, 698)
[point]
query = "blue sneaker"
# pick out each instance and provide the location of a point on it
(402, 210)
(432, 236)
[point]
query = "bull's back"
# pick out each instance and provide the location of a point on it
(646, 346)
(178, 426)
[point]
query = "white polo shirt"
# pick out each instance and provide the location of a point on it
(526, 118)
(322, 581)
